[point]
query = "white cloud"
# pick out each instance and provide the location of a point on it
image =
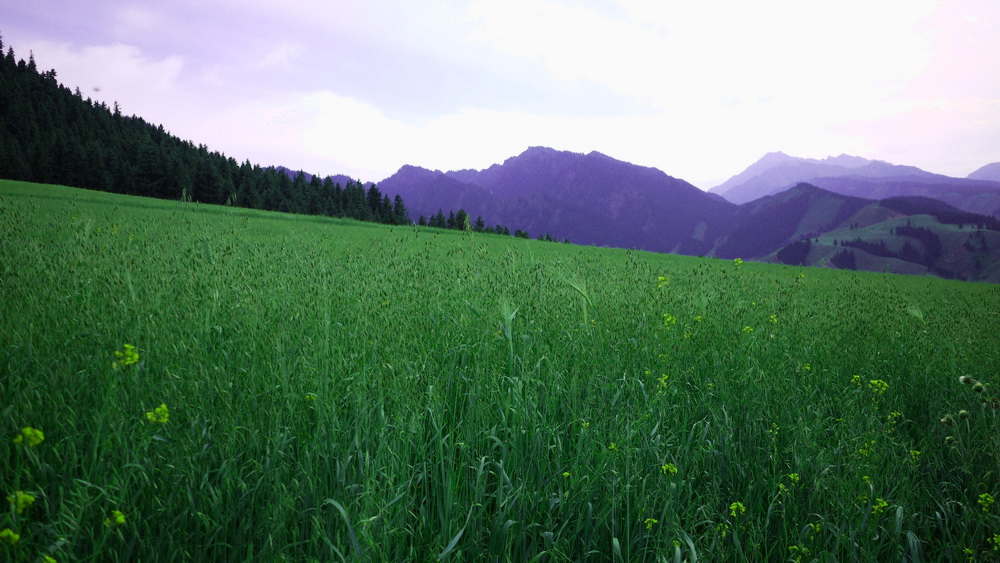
(144, 86)
(282, 55)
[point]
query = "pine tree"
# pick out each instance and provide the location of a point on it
(400, 215)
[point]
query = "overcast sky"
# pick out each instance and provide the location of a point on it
(697, 88)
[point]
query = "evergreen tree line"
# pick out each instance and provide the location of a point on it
(51, 135)
(462, 221)
(845, 260)
(928, 238)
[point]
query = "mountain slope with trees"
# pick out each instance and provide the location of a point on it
(49, 134)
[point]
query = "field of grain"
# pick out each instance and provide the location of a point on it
(189, 382)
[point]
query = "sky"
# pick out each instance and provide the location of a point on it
(700, 89)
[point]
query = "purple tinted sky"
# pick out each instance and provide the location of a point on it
(698, 89)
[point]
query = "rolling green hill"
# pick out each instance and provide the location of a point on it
(811, 226)
(194, 382)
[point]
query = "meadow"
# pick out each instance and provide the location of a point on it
(183, 382)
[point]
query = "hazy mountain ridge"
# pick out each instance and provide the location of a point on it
(988, 172)
(587, 198)
(595, 199)
(859, 177)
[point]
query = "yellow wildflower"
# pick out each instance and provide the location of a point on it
(34, 436)
(669, 469)
(117, 518)
(310, 396)
(159, 415)
(737, 508)
(650, 522)
(9, 536)
(20, 500)
(986, 500)
(126, 356)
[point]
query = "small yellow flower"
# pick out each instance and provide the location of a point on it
(773, 319)
(9, 536)
(877, 387)
(613, 447)
(117, 518)
(669, 469)
(127, 356)
(565, 474)
(33, 436)
(669, 320)
(794, 478)
(737, 508)
(880, 506)
(310, 396)
(737, 261)
(986, 500)
(748, 329)
(662, 281)
(585, 424)
(650, 522)
(159, 415)
(20, 500)
(807, 367)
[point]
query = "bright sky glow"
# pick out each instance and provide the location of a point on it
(698, 89)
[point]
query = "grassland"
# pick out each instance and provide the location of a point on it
(341, 391)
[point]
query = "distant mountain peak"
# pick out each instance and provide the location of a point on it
(988, 172)
(847, 161)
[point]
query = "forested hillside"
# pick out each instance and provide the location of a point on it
(50, 134)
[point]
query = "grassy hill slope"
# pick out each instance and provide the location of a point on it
(306, 388)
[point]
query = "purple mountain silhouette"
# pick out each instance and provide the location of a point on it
(587, 198)
(989, 172)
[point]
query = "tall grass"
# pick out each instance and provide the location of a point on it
(342, 391)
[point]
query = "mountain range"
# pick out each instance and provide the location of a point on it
(780, 209)
(860, 177)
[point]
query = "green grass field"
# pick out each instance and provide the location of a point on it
(335, 390)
